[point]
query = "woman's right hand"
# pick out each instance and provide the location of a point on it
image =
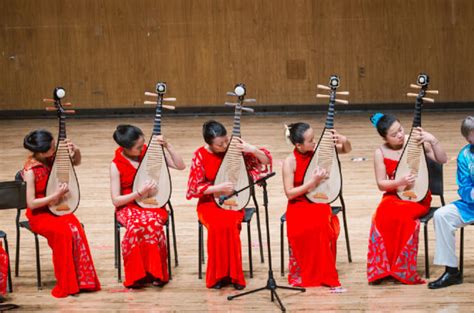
(63, 188)
(407, 180)
(225, 188)
(319, 174)
(149, 186)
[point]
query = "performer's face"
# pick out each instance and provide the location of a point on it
(219, 144)
(137, 148)
(470, 138)
(309, 142)
(49, 153)
(395, 135)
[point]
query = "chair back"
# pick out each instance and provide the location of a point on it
(435, 170)
(12, 195)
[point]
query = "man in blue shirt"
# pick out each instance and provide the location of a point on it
(456, 214)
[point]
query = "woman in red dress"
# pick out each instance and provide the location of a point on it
(224, 264)
(73, 266)
(144, 243)
(3, 272)
(393, 239)
(312, 228)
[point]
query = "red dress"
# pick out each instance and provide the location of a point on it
(312, 236)
(72, 260)
(223, 226)
(393, 239)
(144, 244)
(3, 271)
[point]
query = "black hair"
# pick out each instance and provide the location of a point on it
(212, 129)
(126, 136)
(297, 131)
(383, 123)
(38, 141)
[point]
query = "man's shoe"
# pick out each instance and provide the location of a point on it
(447, 279)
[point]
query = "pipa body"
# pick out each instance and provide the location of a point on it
(62, 171)
(233, 168)
(154, 167)
(325, 156)
(413, 159)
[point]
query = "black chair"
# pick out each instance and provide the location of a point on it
(12, 195)
(436, 184)
(461, 252)
(335, 210)
(248, 213)
(26, 225)
(118, 225)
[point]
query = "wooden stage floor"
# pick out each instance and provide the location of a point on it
(186, 292)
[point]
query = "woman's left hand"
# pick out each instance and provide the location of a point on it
(338, 138)
(425, 136)
(245, 147)
(161, 140)
(71, 147)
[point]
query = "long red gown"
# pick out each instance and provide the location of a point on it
(144, 244)
(393, 239)
(3, 270)
(72, 260)
(223, 226)
(312, 235)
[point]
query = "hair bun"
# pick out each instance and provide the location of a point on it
(375, 118)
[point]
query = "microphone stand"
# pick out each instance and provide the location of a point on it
(271, 283)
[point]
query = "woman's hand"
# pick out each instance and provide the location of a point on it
(319, 174)
(150, 186)
(71, 147)
(406, 180)
(225, 188)
(424, 136)
(245, 147)
(161, 140)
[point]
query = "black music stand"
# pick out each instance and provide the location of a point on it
(271, 283)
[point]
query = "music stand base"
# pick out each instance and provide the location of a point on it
(272, 286)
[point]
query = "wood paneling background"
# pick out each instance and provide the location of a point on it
(107, 52)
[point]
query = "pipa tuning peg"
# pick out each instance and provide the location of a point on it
(247, 109)
(151, 94)
(324, 87)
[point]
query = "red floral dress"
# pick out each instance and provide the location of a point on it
(393, 239)
(144, 244)
(223, 226)
(3, 270)
(72, 260)
(312, 235)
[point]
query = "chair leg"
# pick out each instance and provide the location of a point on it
(282, 248)
(168, 251)
(200, 252)
(9, 274)
(17, 252)
(259, 228)
(173, 232)
(38, 263)
(115, 241)
(427, 257)
(461, 253)
(119, 257)
(346, 231)
(249, 235)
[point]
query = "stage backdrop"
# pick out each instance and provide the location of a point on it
(107, 52)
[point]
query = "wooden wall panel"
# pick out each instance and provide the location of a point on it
(107, 52)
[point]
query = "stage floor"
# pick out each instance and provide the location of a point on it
(186, 292)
